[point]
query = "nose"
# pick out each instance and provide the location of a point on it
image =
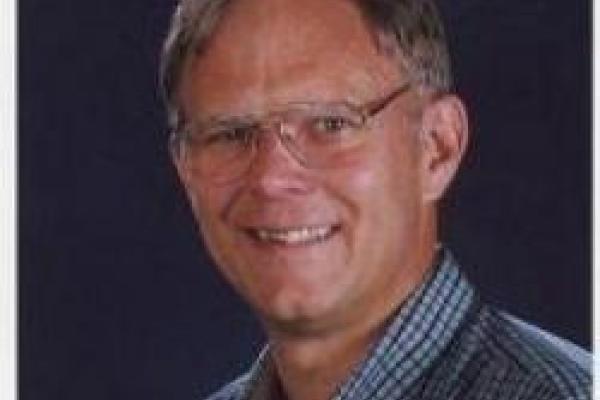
(276, 170)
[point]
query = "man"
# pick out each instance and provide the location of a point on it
(314, 140)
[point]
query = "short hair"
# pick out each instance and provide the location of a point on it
(414, 27)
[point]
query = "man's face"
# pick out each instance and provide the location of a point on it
(269, 53)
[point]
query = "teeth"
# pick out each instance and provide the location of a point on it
(294, 235)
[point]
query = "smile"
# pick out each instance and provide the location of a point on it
(294, 236)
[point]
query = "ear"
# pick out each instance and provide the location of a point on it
(444, 139)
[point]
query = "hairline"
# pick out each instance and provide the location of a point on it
(173, 64)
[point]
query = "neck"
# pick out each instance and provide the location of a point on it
(313, 367)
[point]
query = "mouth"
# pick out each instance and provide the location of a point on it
(294, 236)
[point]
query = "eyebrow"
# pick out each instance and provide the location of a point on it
(224, 121)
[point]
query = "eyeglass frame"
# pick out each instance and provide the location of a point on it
(366, 111)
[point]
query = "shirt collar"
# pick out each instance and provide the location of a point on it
(421, 329)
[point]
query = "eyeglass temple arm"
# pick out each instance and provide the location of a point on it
(375, 107)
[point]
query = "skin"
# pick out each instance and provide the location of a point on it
(322, 304)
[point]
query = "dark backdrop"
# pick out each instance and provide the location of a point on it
(117, 298)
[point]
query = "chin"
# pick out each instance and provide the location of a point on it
(297, 312)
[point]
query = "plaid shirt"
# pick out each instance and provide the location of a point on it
(445, 344)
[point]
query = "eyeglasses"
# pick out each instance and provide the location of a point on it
(315, 134)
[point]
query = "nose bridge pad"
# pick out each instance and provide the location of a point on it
(288, 133)
(282, 132)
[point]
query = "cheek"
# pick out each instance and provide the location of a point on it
(210, 208)
(384, 173)
(382, 191)
(209, 204)
(209, 201)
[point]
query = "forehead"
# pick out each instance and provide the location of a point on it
(266, 52)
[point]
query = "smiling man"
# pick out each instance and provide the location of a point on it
(314, 140)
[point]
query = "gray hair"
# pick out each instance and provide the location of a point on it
(412, 27)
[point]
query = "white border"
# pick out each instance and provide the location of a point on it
(8, 350)
(596, 195)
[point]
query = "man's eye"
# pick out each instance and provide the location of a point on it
(330, 124)
(334, 126)
(231, 135)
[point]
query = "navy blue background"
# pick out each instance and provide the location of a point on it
(117, 298)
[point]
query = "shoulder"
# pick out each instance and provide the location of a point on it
(234, 390)
(536, 363)
(250, 385)
(562, 349)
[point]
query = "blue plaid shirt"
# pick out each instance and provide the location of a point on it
(445, 344)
